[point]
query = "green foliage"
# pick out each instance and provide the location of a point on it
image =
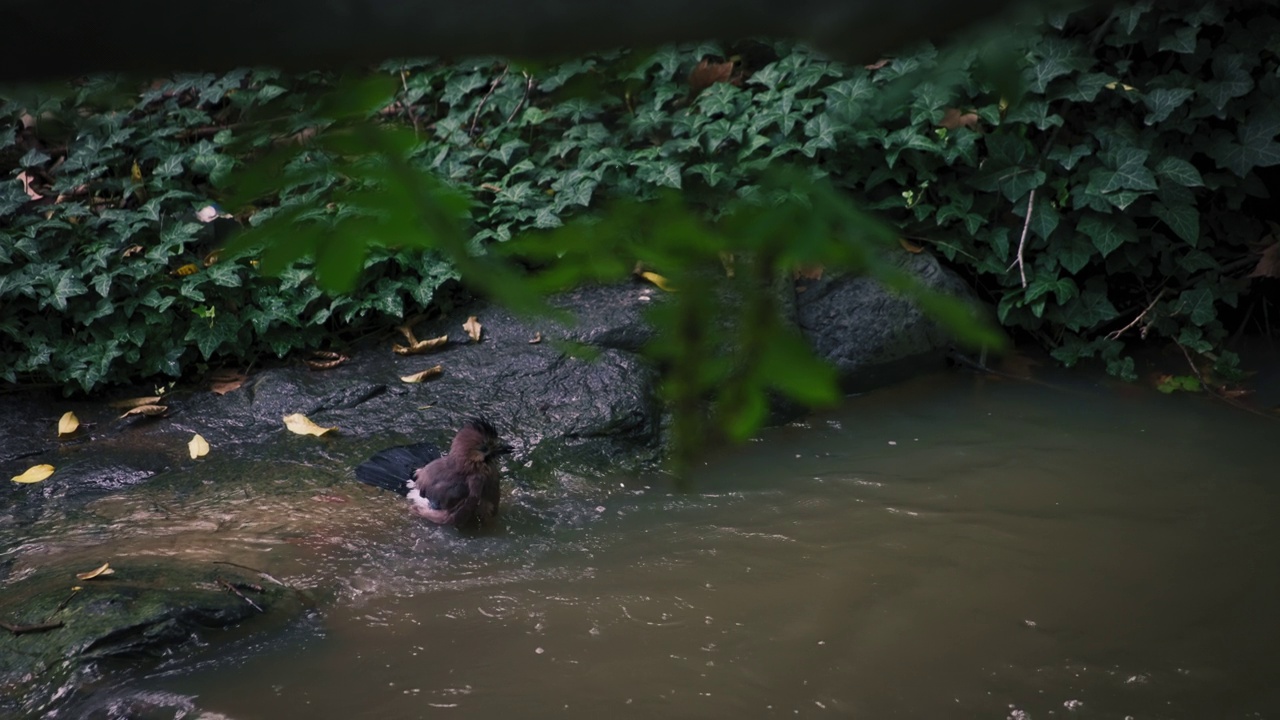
(1106, 158)
(94, 281)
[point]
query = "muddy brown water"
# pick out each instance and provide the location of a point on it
(949, 548)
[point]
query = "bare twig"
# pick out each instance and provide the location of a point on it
(235, 590)
(1116, 335)
(492, 86)
(528, 87)
(1022, 242)
(263, 575)
(408, 107)
(62, 604)
(21, 629)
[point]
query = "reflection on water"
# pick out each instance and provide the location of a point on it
(949, 548)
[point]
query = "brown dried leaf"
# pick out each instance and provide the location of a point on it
(68, 423)
(417, 347)
(424, 375)
(473, 328)
(909, 246)
(708, 73)
(99, 572)
(325, 360)
(808, 272)
(224, 381)
(952, 118)
(1269, 264)
(537, 338)
(26, 181)
(136, 402)
(877, 64)
(132, 250)
(147, 410)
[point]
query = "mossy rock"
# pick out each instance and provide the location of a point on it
(144, 610)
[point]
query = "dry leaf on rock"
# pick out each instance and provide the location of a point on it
(302, 425)
(325, 360)
(910, 246)
(224, 381)
(424, 375)
(135, 402)
(147, 410)
(98, 572)
(658, 280)
(34, 474)
(68, 423)
(537, 338)
(473, 328)
(198, 446)
(417, 347)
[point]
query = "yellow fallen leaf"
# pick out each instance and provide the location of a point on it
(147, 410)
(424, 375)
(473, 328)
(420, 346)
(198, 446)
(68, 423)
(1113, 85)
(136, 172)
(300, 424)
(34, 474)
(135, 402)
(658, 280)
(185, 270)
(104, 570)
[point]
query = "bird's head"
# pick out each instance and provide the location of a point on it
(478, 440)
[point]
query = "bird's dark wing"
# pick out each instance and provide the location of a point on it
(393, 468)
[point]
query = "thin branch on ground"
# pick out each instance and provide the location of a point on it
(236, 590)
(22, 629)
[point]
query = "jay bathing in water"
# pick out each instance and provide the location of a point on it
(458, 489)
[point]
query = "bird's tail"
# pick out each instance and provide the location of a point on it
(392, 469)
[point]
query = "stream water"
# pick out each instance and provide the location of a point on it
(952, 547)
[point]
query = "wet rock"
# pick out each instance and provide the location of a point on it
(143, 610)
(870, 334)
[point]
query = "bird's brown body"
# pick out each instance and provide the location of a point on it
(460, 488)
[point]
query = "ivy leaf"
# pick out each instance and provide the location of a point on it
(1198, 305)
(662, 174)
(1231, 79)
(847, 98)
(1105, 232)
(1182, 40)
(1129, 170)
(1179, 171)
(1163, 101)
(1184, 220)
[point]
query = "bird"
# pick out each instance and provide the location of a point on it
(461, 488)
